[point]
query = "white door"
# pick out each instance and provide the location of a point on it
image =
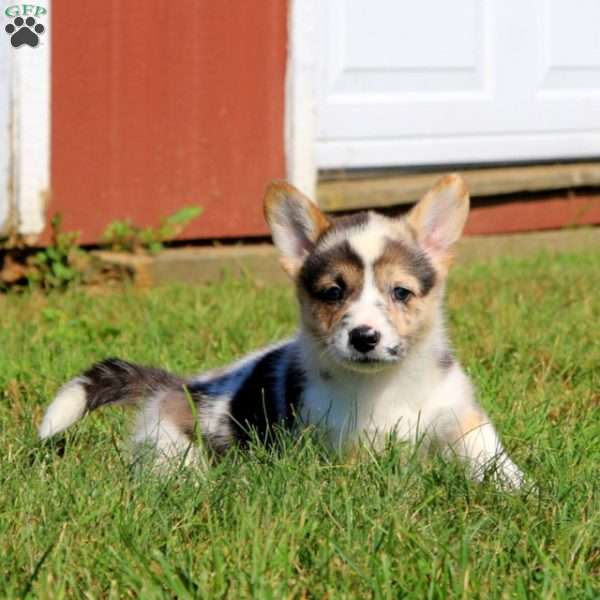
(469, 81)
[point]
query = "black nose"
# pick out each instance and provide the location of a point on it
(364, 338)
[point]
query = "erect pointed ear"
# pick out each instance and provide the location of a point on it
(295, 221)
(440, 216)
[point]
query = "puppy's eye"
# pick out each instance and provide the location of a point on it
(401, 294)
(333, 293)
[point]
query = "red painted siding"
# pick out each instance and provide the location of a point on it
(156, 105)
(543, 211)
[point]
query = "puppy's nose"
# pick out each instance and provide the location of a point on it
(364, 338)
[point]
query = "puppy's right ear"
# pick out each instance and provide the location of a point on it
(296, 223)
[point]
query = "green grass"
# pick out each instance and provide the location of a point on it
(76, 522)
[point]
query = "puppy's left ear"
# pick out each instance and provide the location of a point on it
(296, 223)
(440, 216)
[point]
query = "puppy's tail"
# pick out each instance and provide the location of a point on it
(111, 381)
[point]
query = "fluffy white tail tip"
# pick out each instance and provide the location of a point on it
(67, 408)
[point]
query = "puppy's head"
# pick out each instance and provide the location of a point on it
(369, 286)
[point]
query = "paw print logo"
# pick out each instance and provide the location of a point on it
(24, 31)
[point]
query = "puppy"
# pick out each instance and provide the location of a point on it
(371, 358)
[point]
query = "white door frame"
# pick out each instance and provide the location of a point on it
(5, 134)
(25, 152)
(301, 96)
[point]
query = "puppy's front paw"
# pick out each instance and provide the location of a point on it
(503, 471)
(508, 475)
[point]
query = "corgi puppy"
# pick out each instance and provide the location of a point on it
(371, 358)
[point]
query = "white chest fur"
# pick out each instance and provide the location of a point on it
(404, 401)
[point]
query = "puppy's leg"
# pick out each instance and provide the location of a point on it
(461, 428)
(465, 431)
(164, 431)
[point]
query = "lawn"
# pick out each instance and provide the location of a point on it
(76, 521)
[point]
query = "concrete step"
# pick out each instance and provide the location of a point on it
(206, 264)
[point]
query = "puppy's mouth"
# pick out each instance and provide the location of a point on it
(366, 363)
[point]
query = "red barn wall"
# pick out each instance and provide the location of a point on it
(157, 105)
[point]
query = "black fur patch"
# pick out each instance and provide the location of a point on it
(325, 375)
(353, 221)
(255, 406)
(414, 259)
(295, 382)
(113, 380)
(322, 262)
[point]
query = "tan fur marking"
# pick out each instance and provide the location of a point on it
(175, 408)
(451, 194)
(278, 191)
(321, 221)
(294, 215)
(415, 317)
(290, 266)
(390, 271)
(471, 421)
(321, 317)
(453, 180)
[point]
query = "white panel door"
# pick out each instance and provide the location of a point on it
(435, 82)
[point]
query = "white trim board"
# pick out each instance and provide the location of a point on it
(300, 96)
(419, 152)
(26, 161)
(5, 142)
